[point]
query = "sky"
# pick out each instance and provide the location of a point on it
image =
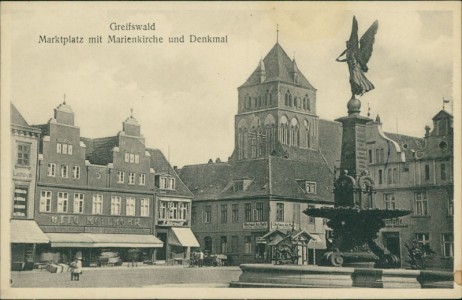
(185, 95)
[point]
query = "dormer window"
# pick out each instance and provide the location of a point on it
(166, 182)
(238, 186)
(310, 187)
(132, 158)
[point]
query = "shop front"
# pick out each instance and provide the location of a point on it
(25, 236)
(178, 244)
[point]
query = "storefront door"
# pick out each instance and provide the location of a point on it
(391, 241)
(161, 252)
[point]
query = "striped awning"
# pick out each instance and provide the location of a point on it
(27, 232)
(93, 240)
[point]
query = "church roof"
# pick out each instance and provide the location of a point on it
(270, 176)
(278, 67)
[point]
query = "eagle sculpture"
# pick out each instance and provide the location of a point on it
(357, 55)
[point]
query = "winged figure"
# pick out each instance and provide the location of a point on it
(357, 55)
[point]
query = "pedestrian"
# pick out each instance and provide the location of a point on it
(76, 269)
(201, 258)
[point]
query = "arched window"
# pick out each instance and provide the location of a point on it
(259, 101)
(283, 130)
(304, 103)
(287, 98)
(267, 98)
(242, 139)
(255, 102)
(291, 100)
(296, 102)
(307, 134)
(249, 102)
(270, 129)
(307, 103)
(293, 136)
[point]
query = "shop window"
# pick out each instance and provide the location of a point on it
(279, 212)
(145, 207)
(208, 244)
(78, 203)
(116, 205)
(97, 205)
(389, 199)
(120, 176)
(130, 206)
(447, 244)
(142, 179)
(421, 204)
(45, 201)
(235, 213)
(224, 213)
(131, 178)
(23, 154)
(224, 244)
(51, 170)
(20, 201)
(63, 201)
(208, 214)
(248, 212)
(248, 245)
(234, 244)
(76, 172)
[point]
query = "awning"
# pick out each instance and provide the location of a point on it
(27, 232)
(91, 240)
(182, 237)
(316, 242)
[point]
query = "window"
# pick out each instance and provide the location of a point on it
(389, 201)
(370, 156)
(137, 158)
(224, 244)
(193, 215)
(172, 183)
(235, 244)
(173, 210)
(395, 175)
(443, 171)
(238, 186)
(167, 183)
(380, 177)
(64, 171)
(120, 176)
(116, 205)
(130, 206)
(427, 172)
(64, 149)
(62, 202)
(310, 187)
(76, 172)
(132, 158)
(259, 209)
(51, 170)
(183, 210)
(23, 154)
(131, 178)
(448, 244)
(390, 176)
(235, 213)
(421, 204)
(224, 213)
(248, 245)
(248, 212)
(20, 201)
(162, 210)
(208, 214)
(45, 201)
(450, 207)
(311, 220)
(69, 149)
(423, 239)
(279, 212)
(377, 155)
(97, 207)
(142, 179)
(58, 147)
(145, 207)
(382, 157)
(78, 203)
(127, 157)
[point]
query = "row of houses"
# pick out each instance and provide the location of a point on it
(78, 195)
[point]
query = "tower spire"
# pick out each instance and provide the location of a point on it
(277, 33)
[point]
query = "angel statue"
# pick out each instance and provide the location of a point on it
(357, 56)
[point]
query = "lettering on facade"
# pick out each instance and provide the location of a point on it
(281, 225)
(395, 223)
(95, 221)
(361, 150)
(255, 225)
(171, 223)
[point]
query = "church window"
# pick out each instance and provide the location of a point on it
(259, 101)
(249, 102)
(255, 102)
(287, 98)
(253, 145)
(267, 98)
(291, 100)
(270, 99)
(308, 103)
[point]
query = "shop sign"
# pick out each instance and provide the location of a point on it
(281, 225)
(260, 240)
(171, 223)
(395, 223)
(95, 221)
(255, 225)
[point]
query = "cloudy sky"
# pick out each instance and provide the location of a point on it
(185, 95)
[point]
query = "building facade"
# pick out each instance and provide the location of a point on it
(97, 198)
(25, 233)
(275, 172)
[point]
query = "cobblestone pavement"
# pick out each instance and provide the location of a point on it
(143, 276)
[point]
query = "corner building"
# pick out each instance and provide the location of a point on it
(98, 197)
(275, 172)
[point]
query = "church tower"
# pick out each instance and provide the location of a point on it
(276, 111)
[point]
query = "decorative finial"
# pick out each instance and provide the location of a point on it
(444, 102)
(277, 33)
(131, 112)
(64, 102)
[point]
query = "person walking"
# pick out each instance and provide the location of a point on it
(76, 269)
(201, 258)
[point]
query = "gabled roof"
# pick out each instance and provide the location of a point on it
(16, 117)
(275, 176)
(278, 67)
(442, 114)
(408, 144)
(160, 165)
(99, 150)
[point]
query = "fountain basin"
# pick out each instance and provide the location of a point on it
(294, 276)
